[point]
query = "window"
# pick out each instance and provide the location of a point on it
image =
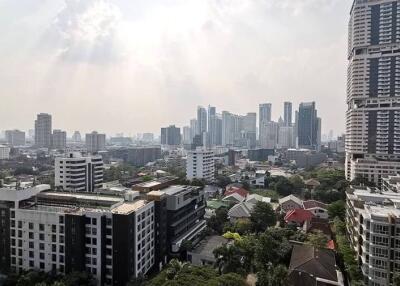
(54, 248)
(94, 221)
(30, 225)
(41, 236)
(41, 265)
(61, 229)
(31, 263)
(31, 244)
(31, 235)
(41, 227)
(61, 219)
(61, 258)
(94, 241)
(41, 246)
(54, 257)
(53, 228)
(41, 255)
(31, 254)
(61, 248)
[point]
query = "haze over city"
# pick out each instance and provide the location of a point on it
(133, 66)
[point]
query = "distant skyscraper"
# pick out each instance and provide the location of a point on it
(186, 135)
(193, 129)
(250, 129)
(201, 120)
(95, 142)
(59, 139)
(43, 130)
(148, 137)
(373, 94)
(171, 136)
(264, 115)
(228, 128)
(15, 137)
(269, 135)
(308, 126)
(218, 127)
(77, 137)
(212, 126)
(287, 113)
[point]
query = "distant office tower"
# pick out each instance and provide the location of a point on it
(193, 129)
(59, 139)
(286, 137)
(43, 131)
(212, 126)
(264, 116)
(95, 142)
(308, 126)
(77, 137)
(201, 120)
(200, 165)
(250, 129)
(373, 91)
(269, 135)
(148, 137)
(31, 134)
(15, 137)
(186, 135)
(171, 136)
(287, 113)
(228, 128)
(218, 127)
(77, 173)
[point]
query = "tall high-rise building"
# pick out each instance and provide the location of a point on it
(59, 139)
(228, 128)
(212, 126)
(186, 135)
(77, 173)
(264, 116)
(200, 165)
(308, 126)
(171, 136)
(218, 127)
(373, 92)
(95, 142)
(15, 137)
(287, 113)
(193, 129)
(43, 130)
(269, 135)
(201, 120)
(76, 137)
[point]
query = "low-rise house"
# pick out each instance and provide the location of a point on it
(236, 189)
(290, 202)
(202, 254)
(313, 266)
(298, 216)
(214, 205)
(254, 198)
(241, 211)
(319, 209)
(234, 198)
(312, 184)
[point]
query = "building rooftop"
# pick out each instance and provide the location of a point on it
(129, 207)
(207, 246)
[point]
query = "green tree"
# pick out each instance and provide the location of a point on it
(218, 221)
(273, 276)
(283, 186)
(262, 216)
(229, 259)
(337, 209)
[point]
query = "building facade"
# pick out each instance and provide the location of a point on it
(171, 136)
(287, 113)
(110, 237)
(4, 152)
(373, 223)
(373, 93)
(59, 139)
(15, 137)
(200, 165)
(43, 130)
(77, 173)
(264, 116)
(309, 126)
(95, 142)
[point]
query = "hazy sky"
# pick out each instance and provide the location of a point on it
(135, 65)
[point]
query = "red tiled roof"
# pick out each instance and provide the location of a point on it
(298, 216)
(239, 191)
(313, 204)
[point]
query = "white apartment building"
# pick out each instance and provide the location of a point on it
(110, 237)
(200, 165)
(59, 139)
(373, 92)
(15, 137)
(95, 142)
(373, 224)
(4, 152)
(269, 135)
(78, 173)
(286, 138)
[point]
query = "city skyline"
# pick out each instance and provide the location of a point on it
(142, 92)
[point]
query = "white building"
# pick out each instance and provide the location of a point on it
(4, 152)
(15, 137)
(200, 165)
(95, 142)
(77, 173)
(373, 223)
(269, 135)
(65, 232)
(59, 139)
(373, 95)
(43, 130)
(286, 137)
